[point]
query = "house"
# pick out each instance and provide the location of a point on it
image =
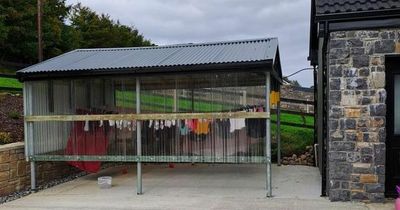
(355, 45)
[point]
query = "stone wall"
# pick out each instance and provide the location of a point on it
(357, 109)
(15, 171)
(298, 93)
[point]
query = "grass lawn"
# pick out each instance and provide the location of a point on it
(294, 140)
(10, 82)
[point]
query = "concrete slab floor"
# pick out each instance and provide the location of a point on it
(189, 186)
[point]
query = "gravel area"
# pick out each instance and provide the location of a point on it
(11, 116)
(55, 182)
(28, 191)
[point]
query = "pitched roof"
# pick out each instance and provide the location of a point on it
(159, 56)
(324, 7)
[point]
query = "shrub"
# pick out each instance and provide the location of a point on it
(14, 115)
(5, 138)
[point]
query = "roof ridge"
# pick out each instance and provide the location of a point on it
(180, 45)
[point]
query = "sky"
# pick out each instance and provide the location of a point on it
(192, 21)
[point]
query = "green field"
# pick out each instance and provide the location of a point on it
(10, 82)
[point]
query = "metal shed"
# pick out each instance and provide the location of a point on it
(196, 103)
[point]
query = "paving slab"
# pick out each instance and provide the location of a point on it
(187, 186)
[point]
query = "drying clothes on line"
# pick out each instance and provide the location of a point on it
(192, 124)
(237, 124)
(183, 129)
(111, 122)
(86, 127)
(223, 126)
(256, 128)
(81, 142)
(202, 127)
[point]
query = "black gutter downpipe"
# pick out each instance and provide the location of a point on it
(322, 105)
(315, 74)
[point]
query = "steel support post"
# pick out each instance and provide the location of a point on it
(278, 130)
(33, 176)
(138, 141)
(28, 128)
(268, 134)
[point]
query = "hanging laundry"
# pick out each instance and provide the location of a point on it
(124, 123)
(150, 123)
(161, 124)
(134, 125)
(101, 123)
(120, 124)
(111, 122)
(183, 130)
(129, 125)
(168, 123)
(86, 127)
(173, 122)
(237, 124)
(202, 127)
(156, 125)
(86, 143)
(192, 124)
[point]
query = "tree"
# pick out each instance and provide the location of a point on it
(65, 28)
(101, 31)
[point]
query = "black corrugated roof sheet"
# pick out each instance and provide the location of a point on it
(159, 56)
(324, 7)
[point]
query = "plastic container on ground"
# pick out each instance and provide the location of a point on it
(104, 182)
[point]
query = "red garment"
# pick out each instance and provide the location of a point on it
(192, 124)
(92, 142)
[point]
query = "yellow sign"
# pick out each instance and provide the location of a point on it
(274, 98)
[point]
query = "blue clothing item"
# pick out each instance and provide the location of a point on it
(183, 130)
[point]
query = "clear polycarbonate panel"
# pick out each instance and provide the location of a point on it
(200, 140)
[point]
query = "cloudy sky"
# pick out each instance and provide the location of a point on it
(185, 21)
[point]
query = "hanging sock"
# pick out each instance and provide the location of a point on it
(125, 123)
(86, 127)
(162, 124)
(156, 125)
(111, 122)
(129, 125)
(150, 123)
(101, 123)
(168, 123)
(173, 122)
(134, 125)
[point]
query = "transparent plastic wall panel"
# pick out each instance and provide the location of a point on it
(182, 140)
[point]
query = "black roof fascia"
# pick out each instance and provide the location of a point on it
(364, 24)
(387, 18)
(265, 65)
(358, 15)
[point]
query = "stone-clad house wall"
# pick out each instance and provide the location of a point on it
(357, 110)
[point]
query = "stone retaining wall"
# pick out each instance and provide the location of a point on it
(15, 171)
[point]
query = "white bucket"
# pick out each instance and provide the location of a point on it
(104, 182)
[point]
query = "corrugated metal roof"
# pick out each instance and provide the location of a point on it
(160, 56)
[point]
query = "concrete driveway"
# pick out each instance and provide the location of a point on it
(191, 187)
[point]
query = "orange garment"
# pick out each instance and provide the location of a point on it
(202, 127)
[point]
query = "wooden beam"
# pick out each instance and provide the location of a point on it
(162, 116)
